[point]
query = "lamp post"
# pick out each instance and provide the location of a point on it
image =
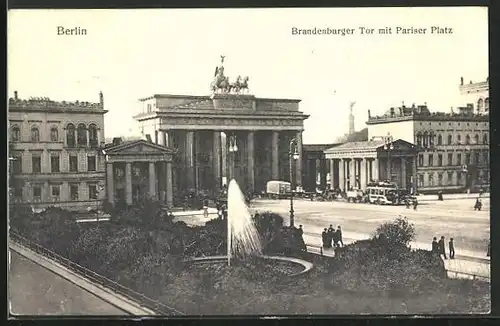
(233, 149)
(293, 155)
(465, 168)
(389, 146)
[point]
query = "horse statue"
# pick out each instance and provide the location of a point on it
(244, 85)
(236, 86)
(225, 85)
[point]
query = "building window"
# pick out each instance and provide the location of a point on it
(459, 139)
(420, 180)
(486, 158)
(431, 160)
(426, 140)
(419, 139)
(485, 139)
(440, 179)
(70, 135)
(487, 104)
(37, 193)
(36, 163)
(440, 159)
(18, 192)
(431, 180)
(73, 163)
(93, 139)
(480, 103)
(54, 164)
(476, 158)
(35, 135)
(440, 140)
(17, 165)
(92, 191)
(81, 132)
(450, 139)
(56, 193)
(450, 158)
(459, 159)
(468, 158)
(91, 166)
(420, 160)
(431, 139)
(476, 139)
(450, 179)
(149, 108)
(73, 189)
(54, 134)
(15, 134)
(467, 140)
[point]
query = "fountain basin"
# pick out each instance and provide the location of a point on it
(306, 266)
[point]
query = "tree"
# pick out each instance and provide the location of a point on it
(399, 231)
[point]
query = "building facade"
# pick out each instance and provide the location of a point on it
(453, 147)
(54, 150)
(476, 95)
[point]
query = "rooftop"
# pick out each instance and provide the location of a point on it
(422, 112)
(45, 103)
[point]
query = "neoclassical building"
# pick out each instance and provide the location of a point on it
(54, 151)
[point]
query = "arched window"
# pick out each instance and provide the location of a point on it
(54, 134)
(440, 140)
(81, 132)
(70, 135)
(15, 134)
(476, 139)
(480, 104)
(419, 139)
(450, 139)
(426, 139)
(93, 139)
(467, 139)
(35, 134)
(485, 139)
(431, 139)
(459, 139)
(487, 104)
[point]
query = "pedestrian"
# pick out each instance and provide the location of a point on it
(440, 195)
(442, 249)
(301, 230)
(478, 205)
(451, 248)
(339, 236)
(301, 233)
(435, 246)
(331, 235)
(205, 208)
(415, 204)
(324, 237)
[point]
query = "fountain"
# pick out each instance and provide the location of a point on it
(243, 239)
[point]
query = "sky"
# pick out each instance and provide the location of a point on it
(131, 54)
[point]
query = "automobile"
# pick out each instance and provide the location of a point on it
(276, 189)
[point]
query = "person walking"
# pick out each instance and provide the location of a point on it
(478, 205)
(301, 233)
(331, 235)
(339, 236)
(451, 248)
(415, 204)
(442, 249)
(205, 208)
(435, 246)
(324, 237)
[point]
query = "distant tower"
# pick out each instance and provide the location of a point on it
(351, 118)
(101, 99)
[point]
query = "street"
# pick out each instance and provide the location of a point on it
(34, 290)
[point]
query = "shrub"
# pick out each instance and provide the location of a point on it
(399, 231)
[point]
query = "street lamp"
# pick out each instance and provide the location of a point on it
(293, 155)
(233, 148)
(389, 146)
(465, 168)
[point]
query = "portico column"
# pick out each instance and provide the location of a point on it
(332, 174)
(342, 174)
(388, 170)
(110, 182)
(352, 175)
(275, 156)
(322, 168)
(166, 139)
(298, 163)
(152, 180)
(375, 168)
(251, 160)
(128, 183)
(414, 174)
(217, 159)
(403, 173)
(190, 159)
(160, 137)
(363, 173)
(169, 190)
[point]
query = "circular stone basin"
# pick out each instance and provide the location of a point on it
(287, 265)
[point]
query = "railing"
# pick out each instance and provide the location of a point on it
(152, 304)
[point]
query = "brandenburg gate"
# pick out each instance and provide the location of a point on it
(229, 134)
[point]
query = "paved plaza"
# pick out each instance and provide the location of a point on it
(34, 290)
